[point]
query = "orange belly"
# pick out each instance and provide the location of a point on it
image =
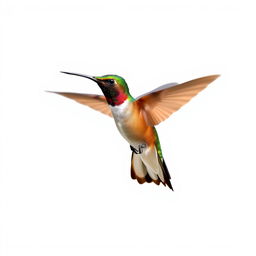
(133, 127)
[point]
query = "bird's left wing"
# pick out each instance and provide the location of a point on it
(159, 104)
(94, 101)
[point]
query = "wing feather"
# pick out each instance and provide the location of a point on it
(160, 103)
(94, 101)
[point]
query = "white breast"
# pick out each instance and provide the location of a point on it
(122, 114)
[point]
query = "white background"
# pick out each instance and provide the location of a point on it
(65, 181)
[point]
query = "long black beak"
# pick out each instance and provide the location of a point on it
(77, 74)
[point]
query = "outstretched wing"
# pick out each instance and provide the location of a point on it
(160, 103)
(94, 101)
(162, 87)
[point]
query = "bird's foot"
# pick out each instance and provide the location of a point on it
(139, 150)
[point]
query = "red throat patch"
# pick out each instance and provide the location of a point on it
(117, 100)
(120, 98)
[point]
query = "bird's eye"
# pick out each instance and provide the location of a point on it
(111, 81)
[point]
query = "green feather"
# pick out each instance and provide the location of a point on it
(158, 145)
(121, 82)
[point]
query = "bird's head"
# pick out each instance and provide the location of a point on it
(114, 87)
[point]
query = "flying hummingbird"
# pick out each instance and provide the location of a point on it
(136, 118)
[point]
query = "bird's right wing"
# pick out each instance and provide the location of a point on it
(94, 101)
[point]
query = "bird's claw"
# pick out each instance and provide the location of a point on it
(139, 150)
(134, 150)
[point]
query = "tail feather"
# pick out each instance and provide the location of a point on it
(143, 173)
(167, 176)
(139, 171)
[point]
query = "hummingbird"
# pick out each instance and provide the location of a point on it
(135, 118)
